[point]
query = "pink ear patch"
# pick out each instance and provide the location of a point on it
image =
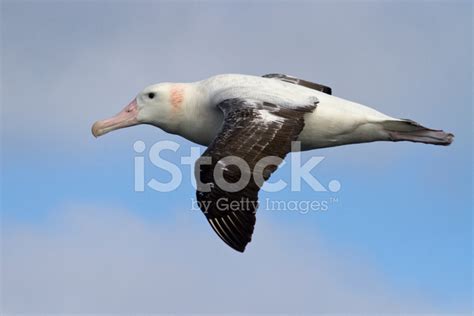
(176, 96)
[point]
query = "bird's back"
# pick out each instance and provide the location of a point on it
(228, 86)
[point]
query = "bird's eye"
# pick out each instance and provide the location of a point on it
(151, 95)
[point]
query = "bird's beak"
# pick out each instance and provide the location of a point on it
(127, 117)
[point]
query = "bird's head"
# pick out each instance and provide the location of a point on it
(157, 105)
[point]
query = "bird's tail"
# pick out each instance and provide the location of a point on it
(408, 130)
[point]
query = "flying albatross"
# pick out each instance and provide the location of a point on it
(253, 117)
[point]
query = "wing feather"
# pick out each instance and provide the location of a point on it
(301, 82)
(251, 131)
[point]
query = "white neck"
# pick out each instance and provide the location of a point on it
(199, 119)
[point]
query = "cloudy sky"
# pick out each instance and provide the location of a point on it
(76, 237)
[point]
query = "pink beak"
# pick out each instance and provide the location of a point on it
(127, 117)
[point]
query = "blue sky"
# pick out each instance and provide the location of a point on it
(77, 238)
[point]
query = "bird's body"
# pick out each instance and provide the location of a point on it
(335, 121)
(249, 124)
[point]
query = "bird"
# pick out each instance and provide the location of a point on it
(249, 118)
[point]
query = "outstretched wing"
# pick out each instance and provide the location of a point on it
(301, 82)
(227, 193)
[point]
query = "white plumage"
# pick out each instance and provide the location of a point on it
(335, 121)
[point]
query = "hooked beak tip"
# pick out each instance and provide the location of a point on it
(127, 117)
(96, 129)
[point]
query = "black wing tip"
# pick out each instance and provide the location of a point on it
(239, 249)
(273, 75)
(301, 82)
(241, 246)
(229, 237)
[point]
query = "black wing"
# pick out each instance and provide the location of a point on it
(301, 82)
(251, 131)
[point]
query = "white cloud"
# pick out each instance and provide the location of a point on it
(88, 259)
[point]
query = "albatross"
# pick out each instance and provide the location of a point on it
(252, 117)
